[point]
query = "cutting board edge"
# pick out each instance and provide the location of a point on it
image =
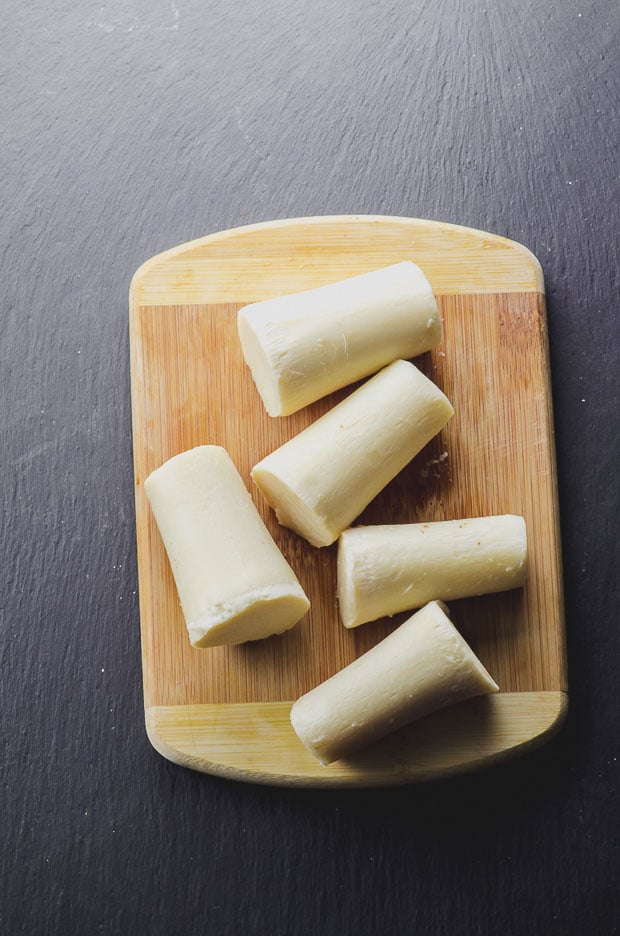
(157, 715)
(157, 261)
(529, 720)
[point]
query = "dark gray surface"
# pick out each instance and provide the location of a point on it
(129, 127)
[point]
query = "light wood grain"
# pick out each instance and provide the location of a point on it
(190, 386)
(262, 260)
(256, 740)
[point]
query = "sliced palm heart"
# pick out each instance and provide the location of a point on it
(421, 667)
(301, 347)
(233, 581)
(321, 479)
(395, 567)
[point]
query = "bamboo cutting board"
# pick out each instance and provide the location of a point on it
(226, 710)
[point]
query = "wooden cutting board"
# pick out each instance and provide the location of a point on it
(226, 710)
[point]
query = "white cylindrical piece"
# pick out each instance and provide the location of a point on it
(391, 568)
(423, 666)
(303, 346)
(233, 581)
(321, 480)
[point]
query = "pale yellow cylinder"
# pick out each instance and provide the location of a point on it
(423, 666)
(233, 581)
(321, 480)
(303, 346)
(391, 568)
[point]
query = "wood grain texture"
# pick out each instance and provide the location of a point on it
(256, 741)
(191, 386)
(299, 254)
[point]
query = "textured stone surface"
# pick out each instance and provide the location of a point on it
(129, 126)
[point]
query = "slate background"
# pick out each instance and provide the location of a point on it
(126, 127)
